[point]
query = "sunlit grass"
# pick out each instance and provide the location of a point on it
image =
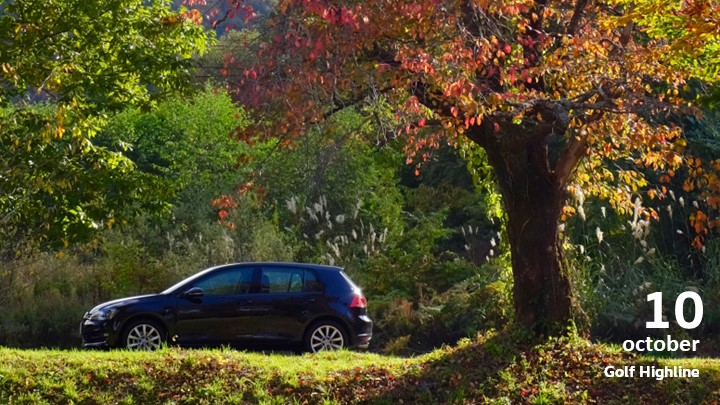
(171, 374)
(490, 368)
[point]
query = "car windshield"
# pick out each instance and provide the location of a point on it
(184, 281)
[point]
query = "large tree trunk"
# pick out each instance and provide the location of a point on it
(533, 195)
(541, 288)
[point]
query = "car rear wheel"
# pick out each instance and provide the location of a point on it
(325, 335)
(143, 334)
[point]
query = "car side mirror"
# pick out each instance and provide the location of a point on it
(193, 293)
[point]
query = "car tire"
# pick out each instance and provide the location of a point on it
(143, 334)
(325, 335)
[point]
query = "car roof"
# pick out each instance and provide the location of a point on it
(290, 264)
(203, 272)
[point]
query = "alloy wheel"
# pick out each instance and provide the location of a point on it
(144, 337)
(326, 337)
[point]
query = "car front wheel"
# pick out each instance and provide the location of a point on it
(143, 335)
(326, 335)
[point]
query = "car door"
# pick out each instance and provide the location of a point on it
(288, 296)
(222, 314)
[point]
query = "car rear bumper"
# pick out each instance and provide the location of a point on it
(363, 332)
(363, 341)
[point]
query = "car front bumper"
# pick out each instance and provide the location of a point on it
(98, 334)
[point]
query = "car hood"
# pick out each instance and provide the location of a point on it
(123, 301)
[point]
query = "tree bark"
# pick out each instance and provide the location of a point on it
(534, 196)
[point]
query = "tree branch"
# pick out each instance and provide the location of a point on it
(572, 154)
(569, 159)
(577, 16)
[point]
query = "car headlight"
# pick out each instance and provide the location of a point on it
(103, 314)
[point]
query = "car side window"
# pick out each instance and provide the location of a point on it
(288, 280)
(296, 283)
(228, 282)
(312, 284)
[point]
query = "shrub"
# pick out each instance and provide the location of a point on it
(480, 303)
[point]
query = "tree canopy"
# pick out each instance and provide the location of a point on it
(544, 87)
(64, 67)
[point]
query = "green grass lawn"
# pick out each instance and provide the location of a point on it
(489, 369)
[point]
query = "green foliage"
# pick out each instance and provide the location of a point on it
(93, 55)
(238, 46)
(59, 189)
(703, 134)
(408, 264)
(85, 59)
(479, 303)
(269, 245)
(484, 180)
(187, 144)
(334, 197)
(343, 202)
(691, 28)
(42, 299)
(334, 164)
(618, 262)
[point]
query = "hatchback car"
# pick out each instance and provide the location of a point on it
(313, 307)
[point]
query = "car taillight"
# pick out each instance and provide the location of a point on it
(358, 301)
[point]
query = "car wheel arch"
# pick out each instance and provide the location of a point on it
(139, 317)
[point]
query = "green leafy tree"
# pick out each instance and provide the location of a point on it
(64, 66)
(186, 145)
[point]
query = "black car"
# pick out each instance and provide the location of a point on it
(310, 306)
